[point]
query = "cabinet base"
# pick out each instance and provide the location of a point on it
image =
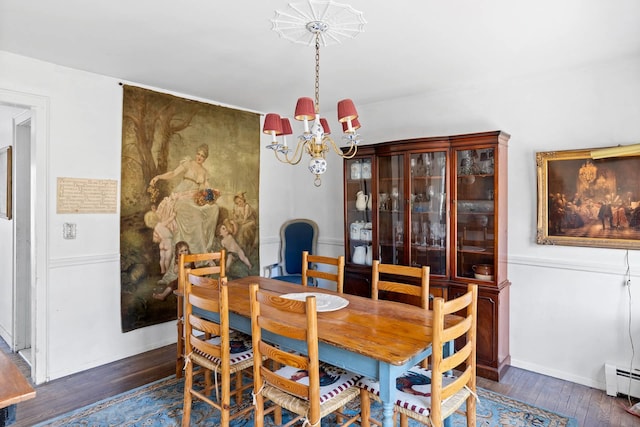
(492, 373)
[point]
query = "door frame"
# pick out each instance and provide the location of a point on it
(39, 106)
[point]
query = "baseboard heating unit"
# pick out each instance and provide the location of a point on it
(621, 381)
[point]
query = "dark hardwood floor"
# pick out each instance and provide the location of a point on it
(591, 407)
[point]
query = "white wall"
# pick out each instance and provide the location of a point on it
(568, 307)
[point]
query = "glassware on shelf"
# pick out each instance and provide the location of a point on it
(427, 163)
(419, 166)
(415, 231)
(366, 170)
(465, 166)
(394, 198)
(383, 199)
(442, 162)
(430, 193)
(485, 166)
(439, 235)
(399, 232)
(425, 232)
(356, 170)
(441, 203)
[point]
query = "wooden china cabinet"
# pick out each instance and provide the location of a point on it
(441, 202)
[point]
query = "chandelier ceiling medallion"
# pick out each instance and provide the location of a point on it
(321, 23)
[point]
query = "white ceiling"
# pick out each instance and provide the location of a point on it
(225, 50)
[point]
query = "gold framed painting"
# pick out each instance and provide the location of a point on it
(590, 202)
(6, 173)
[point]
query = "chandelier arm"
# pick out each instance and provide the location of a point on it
(285, 159)
(353, 150)
(348, 155)
(296, 157)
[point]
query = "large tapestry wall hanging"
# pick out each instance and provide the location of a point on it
(190, 183)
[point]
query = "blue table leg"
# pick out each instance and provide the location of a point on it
(7, 415)
(387, 386)
(387, 411)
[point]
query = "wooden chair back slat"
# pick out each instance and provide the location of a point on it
(316, 261)
(396, 285)
(203, 264)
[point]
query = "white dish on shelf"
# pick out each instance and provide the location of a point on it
(473, 248)
(483, 277)
(466, 206)
(324, 302)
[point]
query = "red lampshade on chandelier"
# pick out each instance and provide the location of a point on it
(327, 24)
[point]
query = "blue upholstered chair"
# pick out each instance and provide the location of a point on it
(296, 236)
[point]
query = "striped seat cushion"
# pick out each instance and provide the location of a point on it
(241, 347)
(413, 389)
(333, 380)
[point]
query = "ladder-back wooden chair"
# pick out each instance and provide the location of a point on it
(212, 346)
(295, 381)
(211, 264)
(311, 275)
(392, 284)
(395, 285)
(436, 394)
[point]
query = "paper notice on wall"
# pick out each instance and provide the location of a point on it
(80, 195)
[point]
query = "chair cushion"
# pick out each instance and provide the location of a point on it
(413, 389)
(241, 347)
(333, 380)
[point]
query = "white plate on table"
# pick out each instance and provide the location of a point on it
(324, 302)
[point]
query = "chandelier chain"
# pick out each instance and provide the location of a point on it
(317, 73)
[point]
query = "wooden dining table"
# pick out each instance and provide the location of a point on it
(14, 388)
(376, 338)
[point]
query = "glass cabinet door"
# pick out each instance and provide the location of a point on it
(475, 214)
(429, 211)
(358, 215)
(391, 209)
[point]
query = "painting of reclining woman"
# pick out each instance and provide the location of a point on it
(181, 184)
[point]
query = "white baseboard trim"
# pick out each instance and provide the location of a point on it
(589, 382)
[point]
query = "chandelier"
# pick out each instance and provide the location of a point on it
(324, 22)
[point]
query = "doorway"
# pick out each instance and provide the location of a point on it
(22, 236)
(30, 262)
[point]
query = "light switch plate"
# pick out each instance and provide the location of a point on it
(69, 230)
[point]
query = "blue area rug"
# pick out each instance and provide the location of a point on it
(160, 404)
